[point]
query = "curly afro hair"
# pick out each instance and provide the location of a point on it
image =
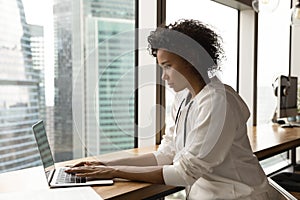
(194, 29)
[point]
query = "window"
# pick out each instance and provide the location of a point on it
(272, 61)
(226, 27)
(273, 57)
(70, 63)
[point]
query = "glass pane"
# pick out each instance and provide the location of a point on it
(94, 56)
(273, 57)
(22, 100)
(226, 27)
(273, 60)
(71, 64)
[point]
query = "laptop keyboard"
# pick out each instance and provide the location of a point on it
(64, 177)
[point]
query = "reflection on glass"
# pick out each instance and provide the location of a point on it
(21, 92)
(80, 27)
(92, 55)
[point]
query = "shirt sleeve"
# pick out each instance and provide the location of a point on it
(166, 150)
(172, 177)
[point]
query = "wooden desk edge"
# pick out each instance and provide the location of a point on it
(143, 191)
(280, 148)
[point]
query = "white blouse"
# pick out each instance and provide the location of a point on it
(207, 150)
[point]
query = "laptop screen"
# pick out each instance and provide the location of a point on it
(43, 146)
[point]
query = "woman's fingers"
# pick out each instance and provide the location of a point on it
(83, 169)
(93, 176)
(89, 174)
(78, 164)
(85, 163)
(92, 172)
(78, 170)
(89, 163)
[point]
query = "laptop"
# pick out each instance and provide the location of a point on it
(56, 176)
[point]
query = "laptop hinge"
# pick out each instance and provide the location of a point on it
(50, 177)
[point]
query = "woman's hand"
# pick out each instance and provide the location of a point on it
(150, 174)
(141, 160)
(93, 172)
(87, 163)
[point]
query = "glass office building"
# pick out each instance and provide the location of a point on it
(38, 64)
(20, 100)
(115, 75)
(94, 53)
(112, 25)
(63, 142)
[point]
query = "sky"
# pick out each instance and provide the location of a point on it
(40, 13)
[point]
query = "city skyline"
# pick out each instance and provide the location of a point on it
(101, 20)
(22, 100)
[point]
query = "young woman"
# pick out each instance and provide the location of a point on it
(206, 149)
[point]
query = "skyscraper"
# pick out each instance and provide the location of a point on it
(94, 54)
(63, 39)
(111, 24)
(38, 64)
(20, 90)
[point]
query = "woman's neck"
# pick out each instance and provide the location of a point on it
(196, 86)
